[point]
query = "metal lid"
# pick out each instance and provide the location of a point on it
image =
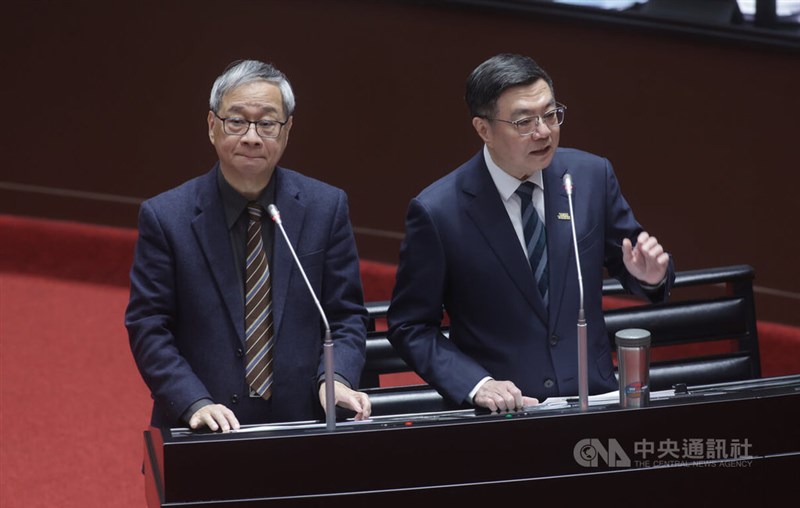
(632, 337)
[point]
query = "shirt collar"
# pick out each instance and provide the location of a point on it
(505, 183)
(235, 204)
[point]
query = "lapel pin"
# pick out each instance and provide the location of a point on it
(562, 216)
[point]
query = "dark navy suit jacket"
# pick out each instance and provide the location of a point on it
(461, 253)
(185, 317)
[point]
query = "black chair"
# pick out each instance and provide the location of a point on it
(699, 320)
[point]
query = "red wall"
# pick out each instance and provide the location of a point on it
(106, 105)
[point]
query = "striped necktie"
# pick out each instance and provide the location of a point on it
(535, 238)
(258, 310)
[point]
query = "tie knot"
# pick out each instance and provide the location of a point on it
(525, 190)
(255, 211)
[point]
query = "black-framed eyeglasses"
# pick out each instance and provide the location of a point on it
(237, 126)
(528, 125)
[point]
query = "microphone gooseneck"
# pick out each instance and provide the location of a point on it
(583, 360)
(568, 187)
(327, 346)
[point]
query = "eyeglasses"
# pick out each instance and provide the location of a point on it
(528, 125)
(236, 126)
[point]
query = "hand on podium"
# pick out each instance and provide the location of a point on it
(348, 398)
(215, 417)
(501, 396)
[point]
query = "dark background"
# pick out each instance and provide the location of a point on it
(106, 105)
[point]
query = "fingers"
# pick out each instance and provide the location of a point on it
(644, 244)
(647, 244)
(529, 401)
(351, 401)
(215, 417)
(362, 401)
(654, 255)
(627, 251)
(346, 397)
(653, 250)
(647, 261)
(499, 396)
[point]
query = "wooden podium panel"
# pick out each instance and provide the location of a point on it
(734, 441)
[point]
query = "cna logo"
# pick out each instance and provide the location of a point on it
(589, 452)
(635, 389)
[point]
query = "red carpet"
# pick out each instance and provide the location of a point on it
(73, 404)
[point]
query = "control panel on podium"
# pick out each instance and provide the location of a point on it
(732, 440)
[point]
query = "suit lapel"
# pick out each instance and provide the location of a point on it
(559, 234)
(486, 209)
(287, 199)
(209, 227)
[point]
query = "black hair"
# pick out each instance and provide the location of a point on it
(494, 76)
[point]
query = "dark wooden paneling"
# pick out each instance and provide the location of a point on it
(110, 98)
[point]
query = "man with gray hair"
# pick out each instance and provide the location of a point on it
(221, 323)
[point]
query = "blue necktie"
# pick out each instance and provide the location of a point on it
(535, 238)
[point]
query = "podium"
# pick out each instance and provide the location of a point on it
(728, 442)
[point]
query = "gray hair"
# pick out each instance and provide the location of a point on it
(246, 71)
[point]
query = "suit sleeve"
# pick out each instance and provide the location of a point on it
(343, 299)
(150, 318)
(416, 311)
(620, 224)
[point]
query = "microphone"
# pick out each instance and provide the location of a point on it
(327, 346)
(583, 360)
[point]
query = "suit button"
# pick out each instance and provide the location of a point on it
(554, 340)
(234, 398)
(239, 353)
(548, 383)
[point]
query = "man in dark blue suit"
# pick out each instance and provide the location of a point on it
(491, 244)
(186, 315)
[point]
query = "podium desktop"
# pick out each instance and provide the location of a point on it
(732, 441)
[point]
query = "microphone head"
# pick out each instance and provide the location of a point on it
(274, 214)
(568, 182)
